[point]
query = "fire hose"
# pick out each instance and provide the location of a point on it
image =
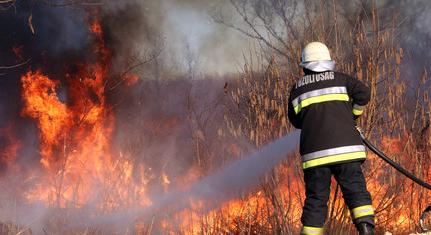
(403, 171)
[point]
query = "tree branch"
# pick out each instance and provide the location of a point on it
(6, 4)
(131, 68)
(15, 65)
(257, 35)
(73, 2)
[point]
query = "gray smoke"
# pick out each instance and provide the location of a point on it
(183, 29)
(188, 32)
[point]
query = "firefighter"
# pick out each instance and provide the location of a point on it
(324, 104)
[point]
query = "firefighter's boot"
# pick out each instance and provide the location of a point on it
(365, 229)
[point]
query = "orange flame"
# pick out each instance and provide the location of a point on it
(10, 150)
(41, 103)
(75, 139)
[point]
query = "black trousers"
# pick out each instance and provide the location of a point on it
(317, 186)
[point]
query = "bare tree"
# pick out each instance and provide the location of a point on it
(269, 21)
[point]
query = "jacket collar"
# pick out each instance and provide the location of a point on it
(319, 66)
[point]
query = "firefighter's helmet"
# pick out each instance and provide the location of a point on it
(315, 51)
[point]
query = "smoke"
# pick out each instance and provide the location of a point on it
(182, 29)
(415, 39)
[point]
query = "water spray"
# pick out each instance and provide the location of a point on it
(238, 177)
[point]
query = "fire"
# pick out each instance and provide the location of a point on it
(76, 137)
(75, 149)
(12, 145)
(130, 80)
(397, 200)
(41, 103)
(96, 28)
(165, 179)
(79, 166)
(250, 212)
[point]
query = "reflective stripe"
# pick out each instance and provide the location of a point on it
(319, 92)
(358, 109)
(311, 230)
(333, 151)
(362, 211)
(357, 112)
(320, 99)
(334, 159)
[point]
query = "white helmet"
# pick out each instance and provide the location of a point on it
(316, 57)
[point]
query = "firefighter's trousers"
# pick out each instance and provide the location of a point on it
(317, 183)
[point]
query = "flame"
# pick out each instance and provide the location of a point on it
(251, 211)
(130, 80)
(395, 210)
(42, 104)
(96, 28)
(75, 138)
(11, 148)
(165, 179)
(397, 200)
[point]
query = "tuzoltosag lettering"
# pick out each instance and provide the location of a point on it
(312, 78)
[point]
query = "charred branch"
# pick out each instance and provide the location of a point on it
(4, 68)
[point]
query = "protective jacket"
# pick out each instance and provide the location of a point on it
(324, 105)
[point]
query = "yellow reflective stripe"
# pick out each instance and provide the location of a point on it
(320, 99)
(358, 109)
(333, 159)
(362, 211)
(333, 151)
(311, 230)
(319, 92)
(357, 112)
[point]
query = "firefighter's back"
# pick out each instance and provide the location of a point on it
(322, 106)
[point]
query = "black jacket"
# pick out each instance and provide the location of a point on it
(324, 106)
